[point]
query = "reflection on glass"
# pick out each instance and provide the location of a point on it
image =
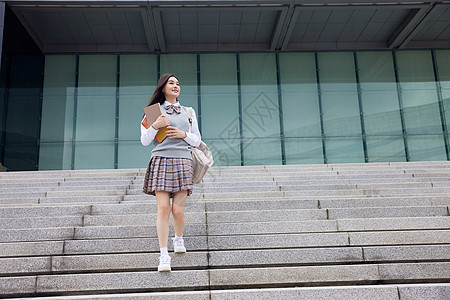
(443, 65)
(184, 66)
(342, 149)
(133, 155)
(55, 156)
(426, 148)
(94, 155)
(137, 83)
(259, 96)
(257, 131)
(304, 151)
(339, 97)
(225, 152)
(219, 95)
(262, 152)
(418, 89)
(385, 148)
(379, 94)
(299, 94)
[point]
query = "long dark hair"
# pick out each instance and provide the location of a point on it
(158, 95)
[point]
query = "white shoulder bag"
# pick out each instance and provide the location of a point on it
(201, 156)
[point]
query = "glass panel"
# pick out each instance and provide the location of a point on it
(298, 72)
(419, 96)
(131, 112)
(21, 127)
(184, 66)
(385, 148)
(260, 109)
(446, 104)
(341, 115)
(55, 156)
(219, 93)
(304, 151)
(95, 155)
(337, 72)
(2, 130)
(231, 139)
(344, 150)
(96, 109)
(21, 156)
(381, 113)
(376, 71)
(96, 118)
(415, 69)
(58, 97)
(138, 74)
(96, 106)
(262, 152)
(259, 95)
(422, 118)
(23, 112)
(133, 155)
(225, 152)
(3, 90)
(340, 104)
(137, 83)
(426, 148)
(443, 65)
(59, 75)
(301, 115)
(97, 75)
(379, 93)
(57, 118)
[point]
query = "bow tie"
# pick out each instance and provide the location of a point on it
(171, 108)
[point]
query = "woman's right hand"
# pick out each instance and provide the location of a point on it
(161, 122)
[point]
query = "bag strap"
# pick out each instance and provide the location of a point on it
(190, 112)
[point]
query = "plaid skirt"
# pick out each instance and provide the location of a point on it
(169, 175)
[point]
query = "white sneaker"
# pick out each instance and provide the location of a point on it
(178, 245)
(164, 264)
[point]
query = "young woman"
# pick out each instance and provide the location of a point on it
(169, 173)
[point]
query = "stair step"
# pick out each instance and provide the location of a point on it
(338, 231)
(128, 245)
(347, 225)
(223, 259)
(247, 277)
(97, 263)
(430, 291)
(40, 222)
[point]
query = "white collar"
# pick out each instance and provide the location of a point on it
(168, 103)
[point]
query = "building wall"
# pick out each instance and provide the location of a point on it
(21, 77)
(254, 108)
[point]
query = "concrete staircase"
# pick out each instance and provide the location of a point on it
(347, 231)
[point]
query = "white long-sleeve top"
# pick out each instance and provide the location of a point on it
(193, 138)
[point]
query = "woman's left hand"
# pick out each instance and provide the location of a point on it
(174, 132)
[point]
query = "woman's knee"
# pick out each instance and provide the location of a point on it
(164, 209)
(177, 211)
(163, 199)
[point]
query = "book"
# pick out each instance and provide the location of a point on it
(161, 134)
(145, 123)
(152, 113)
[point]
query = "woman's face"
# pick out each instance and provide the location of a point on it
(172, 88)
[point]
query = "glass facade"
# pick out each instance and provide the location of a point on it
(253, 108)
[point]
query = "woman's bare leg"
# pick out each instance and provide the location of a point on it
(162, 219)
(179, 222)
